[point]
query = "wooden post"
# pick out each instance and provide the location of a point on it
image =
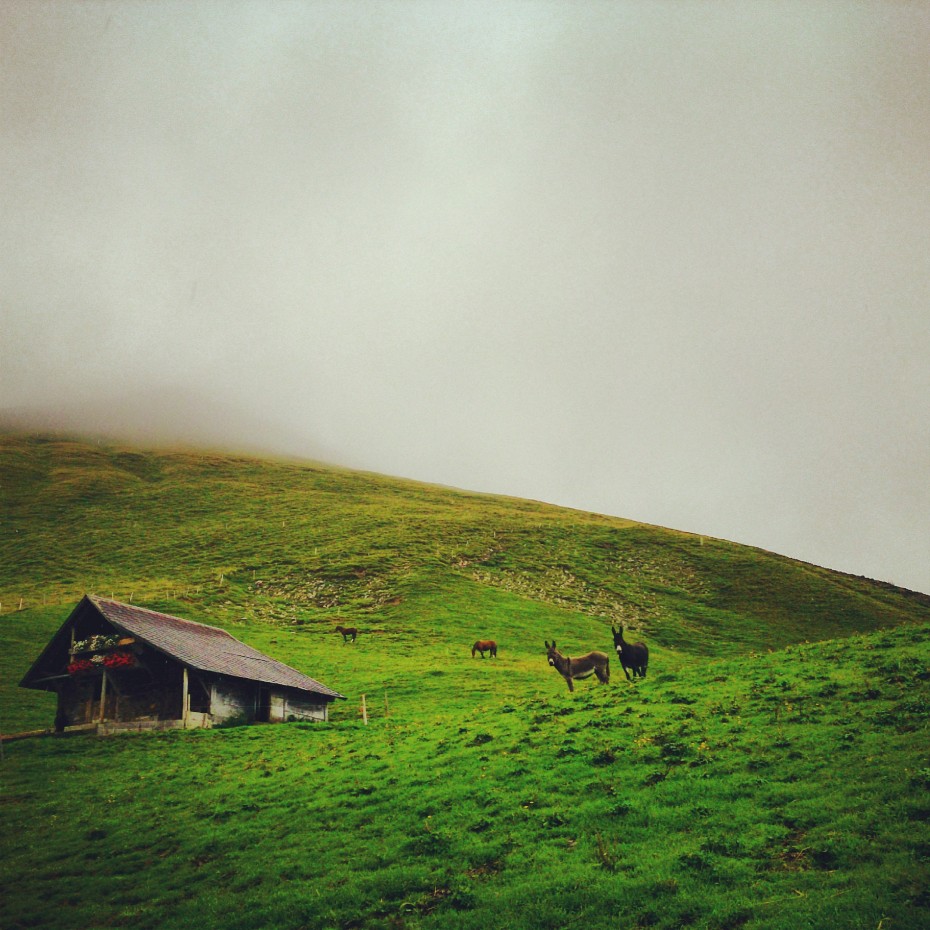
(364, 712)
(185, 699)
(103, 694)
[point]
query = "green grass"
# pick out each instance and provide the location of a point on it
(771, 772)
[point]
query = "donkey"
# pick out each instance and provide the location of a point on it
(591, 663)
(348, 633)
(633, 656)
(485, 645)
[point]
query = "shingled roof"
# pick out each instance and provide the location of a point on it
(206, 648)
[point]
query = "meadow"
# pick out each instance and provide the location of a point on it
(772, 771)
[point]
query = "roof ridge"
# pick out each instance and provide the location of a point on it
(97, 599)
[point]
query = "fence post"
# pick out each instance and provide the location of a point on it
(364, 712)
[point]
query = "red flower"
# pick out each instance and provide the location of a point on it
(119, 660)
(80, 665)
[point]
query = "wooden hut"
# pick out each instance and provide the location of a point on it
(120, 667)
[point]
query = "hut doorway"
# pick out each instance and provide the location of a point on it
(263, 706)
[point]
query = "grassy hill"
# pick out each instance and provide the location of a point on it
(770, 772)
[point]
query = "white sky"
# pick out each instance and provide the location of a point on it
(667, 261)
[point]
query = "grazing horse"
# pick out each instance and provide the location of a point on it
(348, 633)
(591, 663)
(484, 645)
(631, 655)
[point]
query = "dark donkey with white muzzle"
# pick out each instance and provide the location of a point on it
(592, 663)
(631, 655)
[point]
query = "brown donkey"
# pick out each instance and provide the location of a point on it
(591, 663)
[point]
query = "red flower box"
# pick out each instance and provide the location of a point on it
(119, 660)
(80, 665)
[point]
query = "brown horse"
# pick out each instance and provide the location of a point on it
(631, 655)
(348, 633)
(591, 663)
(485, 645)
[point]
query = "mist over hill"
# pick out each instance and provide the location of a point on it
(158, 416)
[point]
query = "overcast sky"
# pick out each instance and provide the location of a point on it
(668, 261)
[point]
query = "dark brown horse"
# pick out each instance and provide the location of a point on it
(348, 633)
(483, 646)
(591, 663)
(633, 656)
